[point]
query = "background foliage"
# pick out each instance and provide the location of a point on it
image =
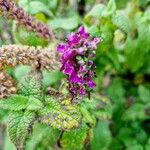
(123, 74)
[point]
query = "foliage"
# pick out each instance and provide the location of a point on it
(117, 116)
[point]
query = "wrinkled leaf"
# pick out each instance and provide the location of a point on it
(16, 102)
(18, 125)
(21, 71)
(34, 104)
(61, 114)
(110, 9)
(121, 21)
(75, 139)
(30, 85)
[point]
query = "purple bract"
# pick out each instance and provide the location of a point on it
(76, 56)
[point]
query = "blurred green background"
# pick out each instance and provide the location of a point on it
(122, 59)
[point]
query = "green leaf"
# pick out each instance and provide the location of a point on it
(65, 23)
(25, 37)
(121, 21)
(8, 143)
(50, 78)
(34, 7)
(96, 11)
(144, 93)
(87, 117)
(37, 7)
(103, 107)
(21, 71)
(75, 139)
(30, 85)
(113, 56)
(135, 112)
(102, 136)
(34, 104)
(147, 145)
(18, 126)
(136, 45)
(42, 135)
(110, 9)
(16, 102)
(136, 147)
(61, 114)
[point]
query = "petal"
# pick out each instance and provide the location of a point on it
(68, 55)
(73, 39)
(83, 32)
(68, 70)
(82, 91)
(61, 47)
(91, 84)
(74, 78)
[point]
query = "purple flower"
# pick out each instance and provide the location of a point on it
(83, 32)
(61, 47)
(76, 56)
(73, 39)
(90, 83)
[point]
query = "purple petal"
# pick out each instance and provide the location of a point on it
(83, 32)
(83, 69)
(90, 63)
(95, 42)
(73, 39)
(90, 83)
(82, 91)
(68, 55)
(91, 73)
(81, 50)
(61, 47)
(68, 70)
(74, 78)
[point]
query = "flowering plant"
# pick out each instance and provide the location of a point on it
(27, 96)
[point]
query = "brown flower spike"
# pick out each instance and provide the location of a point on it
(7, 85)
(37, 57)
(12, 11)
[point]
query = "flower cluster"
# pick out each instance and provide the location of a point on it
(77, 55)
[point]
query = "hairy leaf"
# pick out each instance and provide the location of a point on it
(61, 114)
(30, 85)
(110, 9)
(18, 127)
(34, 104)
(120, 20)
(21, 71)
(16, 102)
(96, 11)
(75, 139)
